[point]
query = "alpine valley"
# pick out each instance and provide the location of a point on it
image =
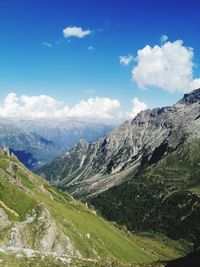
(36, 142)
(42, 226)
(144, 175)
(139, 186)
(99, 133)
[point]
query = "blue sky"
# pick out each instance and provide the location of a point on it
(36, 59)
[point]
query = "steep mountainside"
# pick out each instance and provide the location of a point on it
(162, 198)
(145, 174)
(89, 169)
(36, 142)
(42, 226)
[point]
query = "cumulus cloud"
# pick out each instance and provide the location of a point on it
(31, 106)
(75, 32)
(46, 107)
(169, 67)
(137, 107)
(195, 84)
(95, 108)
(49, 45)
(125, 60)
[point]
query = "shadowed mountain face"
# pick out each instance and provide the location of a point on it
(36, 142)
(26, 157)
(192, 260)
(144, 174)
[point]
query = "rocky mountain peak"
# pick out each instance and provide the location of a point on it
(82, 143)
(89, 169)
(157, 115)
(190, 98)
(151, 116)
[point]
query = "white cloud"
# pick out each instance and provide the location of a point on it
(47, 44)
(95, 108)
(195, 84)
(137, 107)
(46, 107)
(75, 32)
(125, 60)
(91, 48)
(169, 67)
(164, 38)
(30, 106)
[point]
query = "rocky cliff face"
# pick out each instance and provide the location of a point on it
(89, 169)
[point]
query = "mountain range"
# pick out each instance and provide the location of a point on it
(36, 142)
(144, 174)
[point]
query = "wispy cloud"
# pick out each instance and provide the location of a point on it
(91, 48)
(47, 44)
(126, 60)
(75, 32)
(164, 38)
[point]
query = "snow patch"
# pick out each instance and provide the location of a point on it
(82, 160)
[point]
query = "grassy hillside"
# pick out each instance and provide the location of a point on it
(38, 261)
(38, 223)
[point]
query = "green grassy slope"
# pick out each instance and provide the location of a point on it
(41, 261)
(40, 218)
(195, 189)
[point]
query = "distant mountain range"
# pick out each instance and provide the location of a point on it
(144, 174)
(36, 142)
